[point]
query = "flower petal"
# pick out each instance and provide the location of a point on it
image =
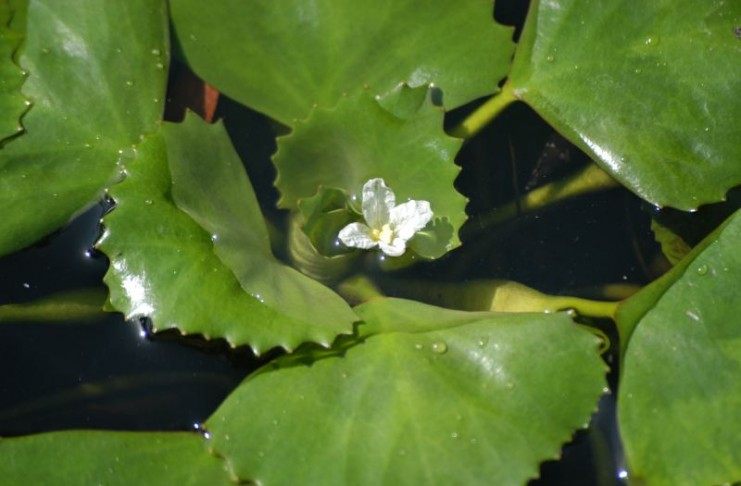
(377, 202)
(357, 235)
(397, 247)
(410, 217)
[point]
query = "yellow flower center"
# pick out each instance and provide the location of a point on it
(385, 234)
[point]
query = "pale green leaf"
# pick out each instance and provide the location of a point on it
(428, 396)
(97, 75)
(111, 458)
(680, 393)
(189, 249)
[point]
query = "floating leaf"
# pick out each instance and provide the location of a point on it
(282, 58)
(361, 140)
(680, 396)
(648, 89)
(110, 458)
(12, 102)
(189, 249)
(428, 396)
(94, 94)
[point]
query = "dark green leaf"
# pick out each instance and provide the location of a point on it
(12, 102)
(282, 58)
(648, 89)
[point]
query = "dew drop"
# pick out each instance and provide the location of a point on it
(702, 269)
(550, 58)
(129, 83)
(418, 346)
(148, 202)
(155, 52)
(26, 285)
(454, 435)
(483, 342)
(439, 347)
(159, 65)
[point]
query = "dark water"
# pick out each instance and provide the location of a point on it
(111, 374)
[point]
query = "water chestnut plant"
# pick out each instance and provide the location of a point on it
(351, 197)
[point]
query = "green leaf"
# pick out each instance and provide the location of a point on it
(680, 396)
(312, 236)
(673, 246)
(97, 75)
(359, 140)
(282, 58)
(12, 102)
(110, 458)
(428, 396)
(649, 90)
(189, 248)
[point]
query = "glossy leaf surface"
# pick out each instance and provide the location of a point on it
(189, 249)
(111, 458)
(360, 140)
(12, 102)
(649, 90)
(282, 58)
(680, 396)
(97, 73)
(429, 396)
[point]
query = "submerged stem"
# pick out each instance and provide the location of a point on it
(494, 295)
(587, 180)
(485, 113)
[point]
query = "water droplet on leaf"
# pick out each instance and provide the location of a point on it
(439, 347)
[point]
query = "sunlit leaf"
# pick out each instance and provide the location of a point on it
(97, 75)
(648, 89)
(282, 58)
(680, 394)
(189, 249)
(429, 396)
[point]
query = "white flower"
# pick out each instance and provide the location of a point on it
(388, 226)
